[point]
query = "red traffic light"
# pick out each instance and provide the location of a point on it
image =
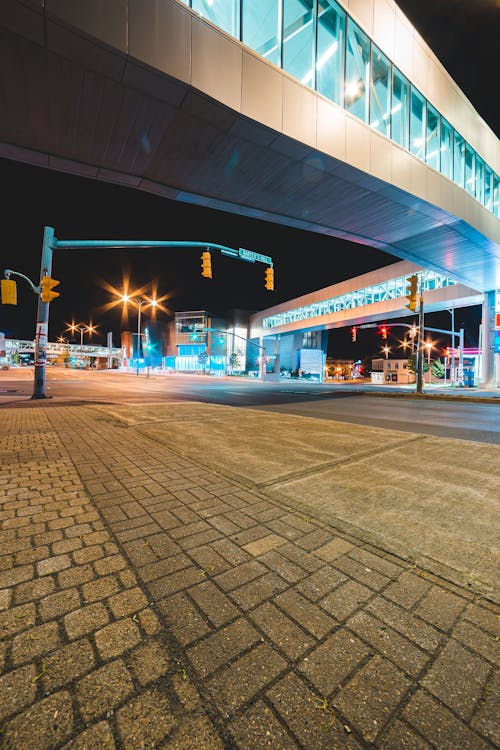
(353, 333)
(383, 332)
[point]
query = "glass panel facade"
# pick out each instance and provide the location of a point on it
(417, 124)
(261, 28)
(318, 43)
(357, 71)
(433, 145)
(331, 51)
(446, 149)
(298, 40)
(488, 188)
(380, 92)
(223, 13)
(400, 110)
(458, 159)
(470, 176)
(480, 179)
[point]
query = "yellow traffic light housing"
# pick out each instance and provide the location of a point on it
(270, 279)
(411, 292)
(206, 265)
(353, 333)
(47, 285)
(9, 292)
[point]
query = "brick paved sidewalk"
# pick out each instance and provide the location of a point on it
(146, 602)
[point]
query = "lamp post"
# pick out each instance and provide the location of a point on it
(428, 345)
(83, 328)
(139, 301)
(386, 350)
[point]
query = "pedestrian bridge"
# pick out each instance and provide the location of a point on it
(377, 296)
(329, 116)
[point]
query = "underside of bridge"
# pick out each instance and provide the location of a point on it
(73, 104)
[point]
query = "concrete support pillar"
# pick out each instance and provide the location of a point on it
(487, 327)
(276, 368)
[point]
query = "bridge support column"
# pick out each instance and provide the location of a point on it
(488, 379)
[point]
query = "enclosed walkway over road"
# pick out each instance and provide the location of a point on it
(375, 296)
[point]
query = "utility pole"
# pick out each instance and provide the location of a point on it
(420, 346)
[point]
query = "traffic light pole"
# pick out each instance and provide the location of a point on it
(42, 318)
(420, 347)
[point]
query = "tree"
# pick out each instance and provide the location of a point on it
(234, 361)
(438, 369)
(412, 364)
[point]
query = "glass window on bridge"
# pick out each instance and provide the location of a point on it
(298, 40)
(470, 176)
(331, 51)
(458, 159)
(357, 71)
(417, 124)
(222, 13)
(433, 151)
(380, 92)
(260, 28)
(446, 149)
(400, 111)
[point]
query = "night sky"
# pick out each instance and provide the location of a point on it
(464, 36)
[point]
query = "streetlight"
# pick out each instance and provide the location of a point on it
(83, 328)
(139, 301)
(429, 345)
(386, 350)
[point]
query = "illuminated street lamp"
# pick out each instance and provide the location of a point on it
(83, 328)
(386, 350)
(139, 302)
(429, 345)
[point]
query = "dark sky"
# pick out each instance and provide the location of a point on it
(463, 34)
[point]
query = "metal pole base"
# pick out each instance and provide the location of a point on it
(37, 396)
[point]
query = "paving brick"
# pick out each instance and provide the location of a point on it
(100, 589)
(310, 616)
(65, 545)
(109, 565)
(217, 607)
(305, 560)
(246, 677)
(388, 642)
(149, 622)
(484, 618)
(333, 661)
(53, 565)
(183, 618)
(31, 555)
(300, 709)
(208, 559)
(229, 551)
(88, 554)
(346, 599)
(487, 717)
(149, 662)
(320, 583)
(45, 725)
(441, 608)
(5, 598)
(239, 575)
(145, 720)
(104, 689)
(17, 690)
(224, 525)
(401, 737)
(264, 544)
(478, 641)
(186, 691)
(426, 636)
(67, 664)
(407, 590)
(281, 631)
(194, 733)
(34, 589)
(58, 604)
(333, 549)
(75, 576)
(362, 573)
(34, 642)
(170, 584)
(85, 620)
(377, 562)
(196, 540)
(258, 727)
(438, 725)
(127, 602)
(159, 568)
(457, 678)
(219, 648)
(286, 569)
(257, 591)
(98, 737)
(371, 696)
(284, 529)
(113, 640)
(13, 576)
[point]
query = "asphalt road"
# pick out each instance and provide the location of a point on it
(445, 418)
